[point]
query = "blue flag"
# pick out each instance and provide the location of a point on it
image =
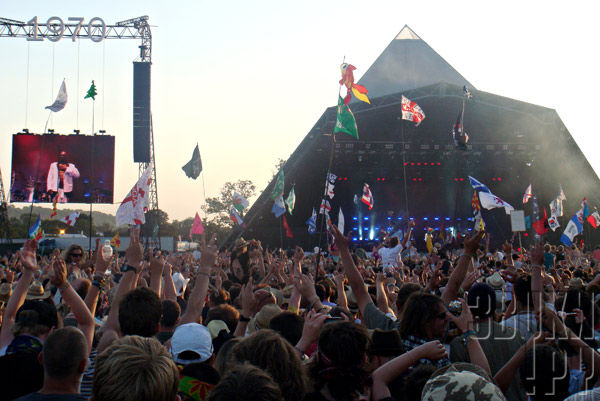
(312, 222)
(35, 231)
(278, 207)
(574, 227)
(478, 186)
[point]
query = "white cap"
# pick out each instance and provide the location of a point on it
(191, 337)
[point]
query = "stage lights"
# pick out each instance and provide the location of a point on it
(428, 164)
(366, 218)
(497, 179)
(355, 218)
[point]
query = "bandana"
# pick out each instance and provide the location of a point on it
(194, 388)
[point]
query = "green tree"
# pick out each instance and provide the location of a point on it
(153, 218)
(217, 208)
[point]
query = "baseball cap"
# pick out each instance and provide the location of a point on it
(192, 337)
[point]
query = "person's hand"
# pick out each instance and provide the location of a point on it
(507, 248)
(339, 278)
(510, 274)
(540, 337)
(135, 252)
(552, 322)
(433, 350)
(298, 255)
(472, 243)
(248, 300)
(58, 277)
(465, 321)
(411, 223)
(306, 286)
(218, 281)
(208, 253)
(312, 326)
(470, 279)
(28, 257)
(537, 255)
(379, 278)
(100, 264)
(341, 241)
(157, 264)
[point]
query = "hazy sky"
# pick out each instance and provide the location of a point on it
(248, 79)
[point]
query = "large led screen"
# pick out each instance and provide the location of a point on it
(68, 168)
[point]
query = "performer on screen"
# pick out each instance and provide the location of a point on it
(60, 178)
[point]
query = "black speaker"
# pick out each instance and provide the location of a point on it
(141, 112)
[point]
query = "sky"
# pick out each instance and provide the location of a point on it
(246, 80)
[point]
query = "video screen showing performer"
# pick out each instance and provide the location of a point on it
(65, 168)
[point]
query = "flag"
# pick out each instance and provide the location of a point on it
(116, 241)
(478, 186)
(553, 223)
(278, 207)
(527, 222)
(561, 193)
(556, 208)
(279, 186)
(325, 207)
(573, 228)
(331, 178)
(584, 212)
(91, 92)
(428, 242)
(341, 221)
(54, 209)
(290, 201)
(61, 99)
(345, 120)
(193, 168)
(541, 226)
(527, 194)
(35, 231)
(479, 223)
(359, 91)
(467, 92)
(329, 187)
(236, 217)
(411, 111)
(72, 218)
(475, 202)
(458, 134)
(491, 201)
(132, 208)
(288, 232)
(594, 219)
(239, 202)
(443, 235)
(197, 227)
(367, 197)
(312, 222)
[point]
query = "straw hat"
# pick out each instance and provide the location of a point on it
(263, 317)
(36, 291)
(496, 281)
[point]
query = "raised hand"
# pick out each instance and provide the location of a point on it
(135, 252)
(248, 300)
(537, 255)
(465, 321)
(432, 350)
(58, 277)
(472, 243)
(209, 253)
(28, 255)
(341, 241)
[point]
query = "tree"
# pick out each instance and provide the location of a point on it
(278, 166)
(153, 218)
(217, 208)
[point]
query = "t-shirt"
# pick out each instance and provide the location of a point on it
(548, 260)
(389, 255)
(52, 397)
(524, 322)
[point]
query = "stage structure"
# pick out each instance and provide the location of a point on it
(55, 29)
(417, 172)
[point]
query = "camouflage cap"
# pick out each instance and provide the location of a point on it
(463, 385)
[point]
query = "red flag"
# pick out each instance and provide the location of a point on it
(197, 227)
(541, 226)
(288, 232)
(359, 91)
(367, 197)
(594, 219)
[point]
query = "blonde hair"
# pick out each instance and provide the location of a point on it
(135, 368)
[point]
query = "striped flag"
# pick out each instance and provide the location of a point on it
(528, 194)
(236, 217)
(35, 231)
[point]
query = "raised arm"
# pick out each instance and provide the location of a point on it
(342, 301)
(98, 280)
(157, 265)
(29, 262)
(460, 271)
(411, 224)
(354, 278)
(193, 312)
(85, 320)
(465, 323)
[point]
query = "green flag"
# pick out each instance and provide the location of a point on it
(345, 120)
(278, 188)
(291, 200)
(91, 92)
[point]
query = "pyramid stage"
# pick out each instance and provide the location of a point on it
(417, 172)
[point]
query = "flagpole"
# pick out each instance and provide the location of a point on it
(404, 168)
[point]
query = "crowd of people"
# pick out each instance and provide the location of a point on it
(463, 322)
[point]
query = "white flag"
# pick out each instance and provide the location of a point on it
(528, 194)
(491, 201)
(341, 221)
(553, 223)
(61, 99)
(71, 219)
(133, 206)
(556, 208)
(330, 189)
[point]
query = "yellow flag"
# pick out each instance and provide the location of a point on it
(428, 242)
(116, 241)
(360, 96)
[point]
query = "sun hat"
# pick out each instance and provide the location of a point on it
(36, 291)
(215, 327)
(496, 281)
(263, 317)
(191, 337)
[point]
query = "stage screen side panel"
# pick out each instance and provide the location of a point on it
(141, 112)
(72, 168)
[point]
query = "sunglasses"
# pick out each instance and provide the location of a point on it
(77, 255)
